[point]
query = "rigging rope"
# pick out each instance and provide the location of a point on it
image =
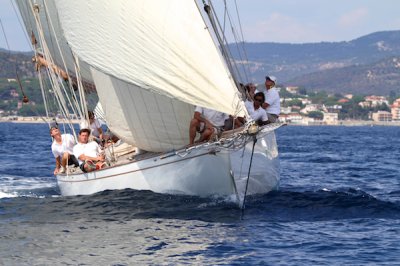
(56, 75)
(236, 41)
(248, 174)
(25, 99)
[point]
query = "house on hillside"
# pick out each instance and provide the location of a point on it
(14, 93)
(312, 108)
(334, 108)
(376, 100)
(348, 96)
(292, 90)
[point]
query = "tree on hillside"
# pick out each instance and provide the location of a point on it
(316, 115)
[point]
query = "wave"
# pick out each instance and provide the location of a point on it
(8, 195)
(279, 206)
(22, 186)
(323, 204)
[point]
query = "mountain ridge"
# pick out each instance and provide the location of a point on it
(292, 63)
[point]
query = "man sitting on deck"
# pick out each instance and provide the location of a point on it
(88, 153)
(62, 150)
(256, 112)
(206, 122)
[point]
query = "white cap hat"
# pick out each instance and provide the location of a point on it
(83, 124)
(271, 78)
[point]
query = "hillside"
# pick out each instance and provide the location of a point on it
(7, 64)
(289, 62)
(382, 78)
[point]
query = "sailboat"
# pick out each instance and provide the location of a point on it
(150, 63)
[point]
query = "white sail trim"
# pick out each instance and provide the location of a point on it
(149, 121)
(161, 46)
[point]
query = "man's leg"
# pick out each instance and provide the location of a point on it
(192, 130)
(205, 136)
(64, 159)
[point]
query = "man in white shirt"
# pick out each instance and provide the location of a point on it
(206, 122)
(88, 153)
(62, 150)
(272, 103)
(95, 127)
(257, 113)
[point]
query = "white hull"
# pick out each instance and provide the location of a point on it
(203, 171)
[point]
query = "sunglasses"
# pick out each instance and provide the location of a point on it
(258, 100)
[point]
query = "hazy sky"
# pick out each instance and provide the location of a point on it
(288, 21)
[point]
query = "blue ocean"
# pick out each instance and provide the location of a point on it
(338, 204)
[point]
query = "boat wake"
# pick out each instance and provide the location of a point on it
(21, 186)
(278, 206)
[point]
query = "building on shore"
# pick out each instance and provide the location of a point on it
(331, 118)
(382, 116)
(395, 110)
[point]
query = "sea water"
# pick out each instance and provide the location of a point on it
(338, 203)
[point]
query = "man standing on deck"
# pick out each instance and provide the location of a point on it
(272, 104)
(62, 150)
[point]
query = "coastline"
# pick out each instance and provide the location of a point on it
(349, 123)
(32, 120)
(40, 120)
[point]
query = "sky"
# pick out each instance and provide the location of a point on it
(283, 21)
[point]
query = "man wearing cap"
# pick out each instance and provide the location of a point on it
(88, 152)
(62, 148)
(272, 104)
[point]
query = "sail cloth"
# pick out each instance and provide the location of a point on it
(151, 62)
(161, 46)
(149, 121)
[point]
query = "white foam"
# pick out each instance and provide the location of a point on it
(17, 186)
(7, 195)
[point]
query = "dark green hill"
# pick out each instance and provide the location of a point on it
(8, 62)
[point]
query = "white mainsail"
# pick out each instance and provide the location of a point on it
(161, 46)
(152, 61)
